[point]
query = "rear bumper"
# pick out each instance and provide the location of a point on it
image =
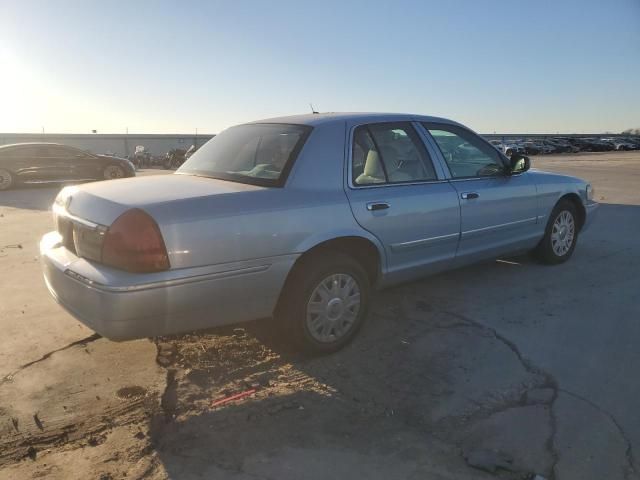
(591, 212)
(124, 306)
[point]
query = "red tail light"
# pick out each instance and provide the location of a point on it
(134, 243)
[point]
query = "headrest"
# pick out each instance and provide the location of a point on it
(372, 167)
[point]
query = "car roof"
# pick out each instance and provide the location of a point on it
(313, 119)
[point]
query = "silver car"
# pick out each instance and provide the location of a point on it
(300, 218)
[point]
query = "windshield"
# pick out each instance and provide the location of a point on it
(261, 154)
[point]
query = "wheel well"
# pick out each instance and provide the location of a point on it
(575, 199)
(359, 248)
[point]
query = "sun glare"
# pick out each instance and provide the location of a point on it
(22, 97)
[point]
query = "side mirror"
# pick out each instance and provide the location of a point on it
(519, 163)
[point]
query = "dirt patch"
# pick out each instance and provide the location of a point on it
(131, 393)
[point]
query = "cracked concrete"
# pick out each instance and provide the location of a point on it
(526, 449)
(533, 363)
(591, 445)
(82, 342)
(631, 470)
(505, 418)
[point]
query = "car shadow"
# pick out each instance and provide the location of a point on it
(32, 197)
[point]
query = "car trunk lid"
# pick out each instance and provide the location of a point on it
(103, 202)
(83, 214)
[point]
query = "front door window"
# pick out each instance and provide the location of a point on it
(466, 154)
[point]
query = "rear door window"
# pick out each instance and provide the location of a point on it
(389, 153)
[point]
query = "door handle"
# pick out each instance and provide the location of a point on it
(372, 207)
(469, 195)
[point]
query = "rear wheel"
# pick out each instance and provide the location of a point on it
(113, 171)
(324, 302)
(560, 236)
(6, 179)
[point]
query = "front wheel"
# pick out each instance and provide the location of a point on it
(6, 179)
(113, 172)
(560, 236)
(324, 302)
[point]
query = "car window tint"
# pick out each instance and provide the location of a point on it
(58, 152)
(466, 154)
(28, 152)
(254, 153)
(389, 153)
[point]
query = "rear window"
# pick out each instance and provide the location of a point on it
(260, 154)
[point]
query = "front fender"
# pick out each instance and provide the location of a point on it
(553, 186)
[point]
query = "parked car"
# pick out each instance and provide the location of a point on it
(508, 148)
(497, 144)
(50, 162)
(532, 148)
(634, 143)
(580, 143)
(566, 144)
(619, 143)
(595, 145)
(560, 146)
(546, 147)
(301, 218)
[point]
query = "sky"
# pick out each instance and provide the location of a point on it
(506, 66)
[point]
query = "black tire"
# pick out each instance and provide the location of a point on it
(545, 251)
(7, 179)
(113, 172)
(291, 312)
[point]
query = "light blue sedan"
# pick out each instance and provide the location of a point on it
(300, 218)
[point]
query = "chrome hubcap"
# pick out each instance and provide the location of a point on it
(563, 233)
(333, 308)
(113, 171)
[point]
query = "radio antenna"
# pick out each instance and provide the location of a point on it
(313, 110)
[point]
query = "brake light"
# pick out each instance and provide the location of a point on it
(134, 243)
